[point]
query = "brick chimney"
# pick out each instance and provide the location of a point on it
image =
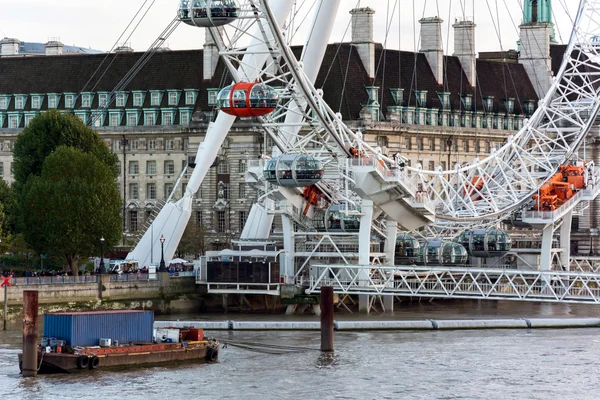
(9, 47)
(362, 37)
(464, 48)
(431, 46)
(54, 47)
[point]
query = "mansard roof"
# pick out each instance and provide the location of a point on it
(70, 73)
(343, 77)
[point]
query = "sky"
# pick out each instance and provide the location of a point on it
(98, 24)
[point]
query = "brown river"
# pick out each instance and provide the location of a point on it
(465, 364)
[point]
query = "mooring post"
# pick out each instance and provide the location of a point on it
(5, 306)
(30, 327)
(327, 318)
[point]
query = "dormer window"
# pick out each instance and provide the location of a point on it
(86, 100)
(4, 100)
(421, 96)
(398, 96)
(373, 92)
(103, 99)
(190, 96)
(69, 100)
(53, 100)
(467, 101)
(155, 98)
(138, 99)
(444, 99)
(174, 97)
(212, 96)
(36, 102)
(529, 106)
(20, 101)
(489, 103)
(510, 105)
(121, 99)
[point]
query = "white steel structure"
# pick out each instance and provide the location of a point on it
(379, 190)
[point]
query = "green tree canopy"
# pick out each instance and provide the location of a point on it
(71, 206)
(192, 241)
(9, 208)
(48, 131)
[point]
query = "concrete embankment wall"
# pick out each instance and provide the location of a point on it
(517, 323)
(163, 295)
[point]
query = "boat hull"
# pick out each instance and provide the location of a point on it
(124, 356)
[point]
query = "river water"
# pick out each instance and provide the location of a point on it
(471, 364)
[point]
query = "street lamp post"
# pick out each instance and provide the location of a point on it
(162, 267)
(101, 266)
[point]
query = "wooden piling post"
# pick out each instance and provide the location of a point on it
(5, 306)
(30, 327)
(327, 318)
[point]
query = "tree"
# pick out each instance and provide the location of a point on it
(192, 241)
(8, 206)
(48, 131)
(71, 206)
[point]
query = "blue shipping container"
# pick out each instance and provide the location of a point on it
(87, 328)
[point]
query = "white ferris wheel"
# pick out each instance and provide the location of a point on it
(321, 168)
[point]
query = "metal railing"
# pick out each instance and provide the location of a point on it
(128, 277)
(53, 280)
(460, 282)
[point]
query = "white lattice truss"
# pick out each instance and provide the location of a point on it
(468, 283)
(499, 184)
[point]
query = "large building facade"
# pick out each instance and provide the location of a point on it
(437, 110)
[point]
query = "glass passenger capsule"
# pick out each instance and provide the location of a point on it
(246, 99)
(441, 252)
(337, 218)
(208, 13)
(293, 170)
(407, 249)
(484, 243)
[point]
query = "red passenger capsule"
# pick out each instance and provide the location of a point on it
(247, 100)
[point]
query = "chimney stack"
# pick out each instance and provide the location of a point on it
(431, 46)
(211, 55)
(54, 47)
(464, 48)
(125, 48)
(9, 47)
(362, 37)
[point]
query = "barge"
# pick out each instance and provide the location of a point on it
(75, 342)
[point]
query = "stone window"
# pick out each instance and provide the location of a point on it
(168, 189)
(221, 221)
(133, 220)
(133, 191)
(151, 191)
(243, 166)
(169, 167)
(223, 167)
(134, 167)
(243, 216)
(151, 167)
